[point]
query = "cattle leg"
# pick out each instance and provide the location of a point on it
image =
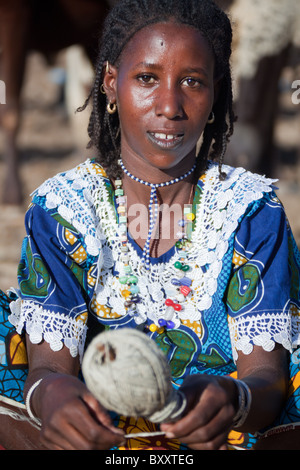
(257, 108)
(14, 26)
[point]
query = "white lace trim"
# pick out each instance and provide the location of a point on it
(56, 329)
(217, 217)
(71, 194)
(265, 330)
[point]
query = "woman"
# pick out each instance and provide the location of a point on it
(216, 297)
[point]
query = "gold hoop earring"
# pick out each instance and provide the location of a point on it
(102, 89)
(111, 108)
(211, 118)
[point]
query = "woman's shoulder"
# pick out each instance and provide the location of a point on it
(239, 189)
(70, 197)
(84, 176)
(72, 188)
(236, 177)
(224, 203)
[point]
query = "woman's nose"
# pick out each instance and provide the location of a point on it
(169, 103)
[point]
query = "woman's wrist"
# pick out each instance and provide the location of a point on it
(29, 397)
(240, 397)
(245, 400)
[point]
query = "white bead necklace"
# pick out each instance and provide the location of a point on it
(128, 281)
(153, 200)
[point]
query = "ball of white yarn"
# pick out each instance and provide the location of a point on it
(127, 372)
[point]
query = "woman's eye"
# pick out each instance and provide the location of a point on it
(191, 82)
(146, 79)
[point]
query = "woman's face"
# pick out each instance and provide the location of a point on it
(164, 89)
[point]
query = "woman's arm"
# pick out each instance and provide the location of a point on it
(72, 419)
(213, 400)
(266, 374)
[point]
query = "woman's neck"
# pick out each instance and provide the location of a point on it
(178, 193)
(155, 169)
(157, 195)
(172, 200)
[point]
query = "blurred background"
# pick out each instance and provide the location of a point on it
(45, 62)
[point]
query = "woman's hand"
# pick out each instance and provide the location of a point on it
(211, 406)
(212, 401)
(72, 419)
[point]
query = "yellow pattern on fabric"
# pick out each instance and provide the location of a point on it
(238, 259)
(91, 276)
(196, 326)
(137, 425)
(294, 384)
(17, 350)
(82, 317)
(102, 311)
(70, 237)
(95, 167)
(79, 256)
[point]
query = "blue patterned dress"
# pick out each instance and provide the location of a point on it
(244, 265)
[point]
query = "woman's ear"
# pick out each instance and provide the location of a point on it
(110, 82)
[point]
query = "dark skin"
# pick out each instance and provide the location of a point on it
(209, 420)
(164, 86)
(74, 419)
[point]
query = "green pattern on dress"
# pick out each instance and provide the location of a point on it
(33, 274)
(243, 287)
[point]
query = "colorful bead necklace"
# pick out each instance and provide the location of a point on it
(153, 200)
(129, 282)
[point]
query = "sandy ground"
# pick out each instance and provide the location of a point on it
(48, 145)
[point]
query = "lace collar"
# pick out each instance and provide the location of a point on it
(218, 213)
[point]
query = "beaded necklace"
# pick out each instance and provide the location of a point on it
(153, 200)
(129, 282)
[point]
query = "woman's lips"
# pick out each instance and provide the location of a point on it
(166, 140)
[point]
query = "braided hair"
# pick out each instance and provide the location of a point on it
(123, 21)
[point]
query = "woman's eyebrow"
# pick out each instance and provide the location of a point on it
(199, 70)
(148, 65)
(153, 66)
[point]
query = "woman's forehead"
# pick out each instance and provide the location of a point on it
(157, 41)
